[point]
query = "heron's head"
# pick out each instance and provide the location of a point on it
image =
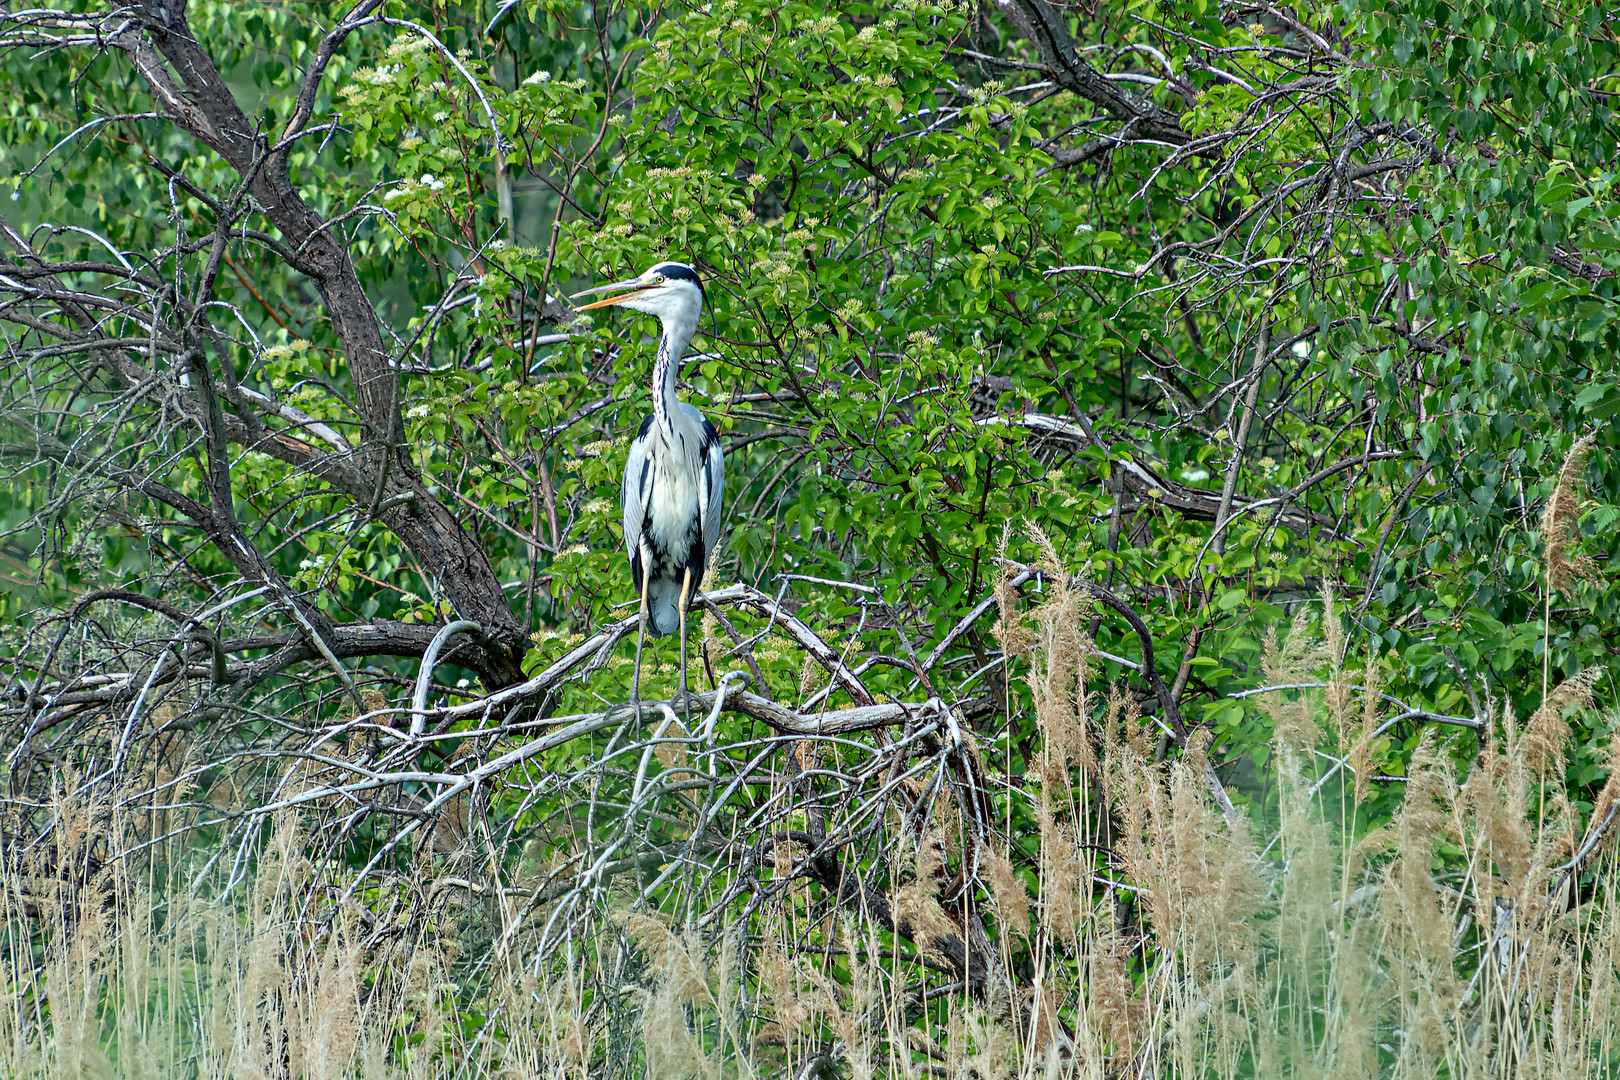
(670, 290)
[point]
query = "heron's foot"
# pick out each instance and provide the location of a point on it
(685, 700)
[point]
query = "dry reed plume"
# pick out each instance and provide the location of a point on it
(904, 907)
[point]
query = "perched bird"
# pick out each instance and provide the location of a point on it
(675, 473)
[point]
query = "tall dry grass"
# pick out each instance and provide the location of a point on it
(1128, 931)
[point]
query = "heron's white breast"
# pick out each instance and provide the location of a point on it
(677, 469)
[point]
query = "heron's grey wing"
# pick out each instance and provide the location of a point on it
(637, 488)
(712, 487)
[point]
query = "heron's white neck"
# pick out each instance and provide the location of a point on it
(678, 330)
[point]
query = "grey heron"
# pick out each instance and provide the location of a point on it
(675, 473)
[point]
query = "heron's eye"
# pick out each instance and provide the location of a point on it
(659, 280)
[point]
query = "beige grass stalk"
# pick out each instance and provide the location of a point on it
(1562, 566)
(1327, 957)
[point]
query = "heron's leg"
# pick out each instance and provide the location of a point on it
(686, 593)
(641, 631)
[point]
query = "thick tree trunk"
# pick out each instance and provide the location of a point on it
(381, 471)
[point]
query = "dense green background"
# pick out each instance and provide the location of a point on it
(879, 216)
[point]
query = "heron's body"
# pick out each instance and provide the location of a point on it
(675, 473)
(671, 469)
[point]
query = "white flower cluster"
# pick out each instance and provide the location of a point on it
(282, 352)
(405, 46)
(427, 182)
(773, 270)
(680, 172)
(377, 77)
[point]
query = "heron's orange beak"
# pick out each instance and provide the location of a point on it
(635, 285)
